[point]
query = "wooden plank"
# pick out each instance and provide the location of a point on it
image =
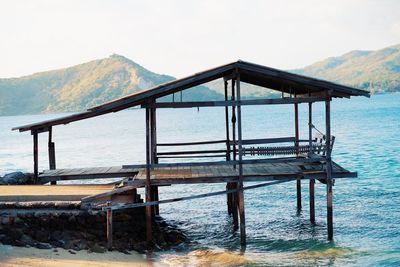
(26, 193)
(64, 177)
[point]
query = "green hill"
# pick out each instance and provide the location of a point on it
(80, 87)
(377, 71)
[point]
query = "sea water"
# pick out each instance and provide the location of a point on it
(366, 209)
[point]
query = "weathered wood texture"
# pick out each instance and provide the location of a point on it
(212, 173)
(86, 173)
(27, 193)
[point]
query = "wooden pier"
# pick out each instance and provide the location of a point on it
(267, 161)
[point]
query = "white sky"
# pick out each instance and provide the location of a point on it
(182, 37)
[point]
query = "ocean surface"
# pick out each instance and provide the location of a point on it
(366, 209)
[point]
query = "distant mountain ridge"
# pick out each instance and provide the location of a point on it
(376, 71)
(82, 86)
(86, 85)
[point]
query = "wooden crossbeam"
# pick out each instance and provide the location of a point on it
(232, 162)
(152, 203)
(276, 101)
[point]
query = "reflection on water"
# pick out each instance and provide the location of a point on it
(366, 209)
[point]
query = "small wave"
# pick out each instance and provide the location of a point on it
(207, 258)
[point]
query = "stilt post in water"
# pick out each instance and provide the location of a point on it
(154, 158)
(148, 182)
(329, 181)
(229, 197)
(312, 181)
(52, 153)
(109, 227)
(35, 156)
(240, 183)
(235, 205)
(296, 126)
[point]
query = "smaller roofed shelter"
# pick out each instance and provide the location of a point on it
(282, 159)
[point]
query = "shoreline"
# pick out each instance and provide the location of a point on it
(11, 256)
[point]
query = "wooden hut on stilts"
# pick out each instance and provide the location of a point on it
(268, 161)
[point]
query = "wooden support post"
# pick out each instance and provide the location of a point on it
(312, 181)
(154, 158)
(148, 182)
(155, 198)
(310, 126)
(296, 124)
(52, 153)
(35, 156)
(109, 227)
(329, 181)
(229, 196)
(228, 147)
(233, 123)
(235, 207)
(153, 134)
(312, 201)
(240, 183)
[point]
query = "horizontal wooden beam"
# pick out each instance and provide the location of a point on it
(193, 104)
(265, 141)
(192, 143)
(190, 152)
(232, 162)
(321, 175)
(191, 157)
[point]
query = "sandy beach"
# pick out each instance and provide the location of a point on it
(19, 256)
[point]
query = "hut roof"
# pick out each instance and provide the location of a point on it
(271, 78)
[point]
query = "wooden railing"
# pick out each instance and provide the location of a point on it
(318, 146)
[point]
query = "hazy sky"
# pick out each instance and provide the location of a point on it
(182, 37)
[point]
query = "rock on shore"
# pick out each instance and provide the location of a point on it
(84, 230)
(16, 178)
